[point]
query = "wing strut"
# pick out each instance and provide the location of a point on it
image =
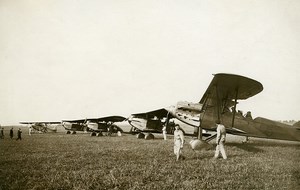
(218, 103)
(234, 109)
(199, 132)
(167, 119)
(199, 136)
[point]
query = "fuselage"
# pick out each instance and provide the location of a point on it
(69, 126)
(43, 127)
(192, 114)
(103, 127)
(149, 125)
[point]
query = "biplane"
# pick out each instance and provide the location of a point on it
(144, 124)
(297, 124)
(219, 102)
(42, 127)
(151, 122)
(94, 125)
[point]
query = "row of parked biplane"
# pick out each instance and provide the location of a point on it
(219, 102)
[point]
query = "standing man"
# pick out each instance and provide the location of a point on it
(19, 134)
(11, 133)
(178, 142)
(109, 129)
(2, 132)
(221, 136)
(30, 130)
(164, 132)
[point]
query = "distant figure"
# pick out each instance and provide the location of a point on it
(233, 110)
(178, 142)
(248, 115)
(30, 130)
(19, 134)
(109, 129)
(221, 136)
(11, 133)
(171, 126)
(240, 112)
(2, 132)
(164, 132)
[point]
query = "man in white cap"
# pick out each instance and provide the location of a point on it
(221, 136)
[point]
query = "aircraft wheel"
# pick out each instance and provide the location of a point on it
(198, 144)
(93, 134)
(140, 136)
(74, 132)
(68, 132)
(149, 136)
(99, 134)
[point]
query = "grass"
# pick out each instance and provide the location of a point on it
(60, 161)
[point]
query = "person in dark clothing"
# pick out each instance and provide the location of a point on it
(2, 132)
(19, 134)
(11, 133)
(109, 129)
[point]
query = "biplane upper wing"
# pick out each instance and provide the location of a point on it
(107, 119)
(75, 121)
(44, 122)
(159, 113)
(100, 119)
(224, 89)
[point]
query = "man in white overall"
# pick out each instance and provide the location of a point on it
(221, 135)
(178, 142)
(164, 132)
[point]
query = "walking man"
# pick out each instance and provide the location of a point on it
(178, 142)
(221, 136)
(11, 133)
(19, 134)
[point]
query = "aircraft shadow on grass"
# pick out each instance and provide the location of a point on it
(256, 147)
(246, 147)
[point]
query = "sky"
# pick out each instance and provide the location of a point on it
(62, 59)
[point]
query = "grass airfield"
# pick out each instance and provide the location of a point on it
(61, 161)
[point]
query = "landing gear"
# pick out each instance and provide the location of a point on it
(199, 144)
(93, 134)
(100, 134)
(140, 136)
(97, 134)
(149, 136)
